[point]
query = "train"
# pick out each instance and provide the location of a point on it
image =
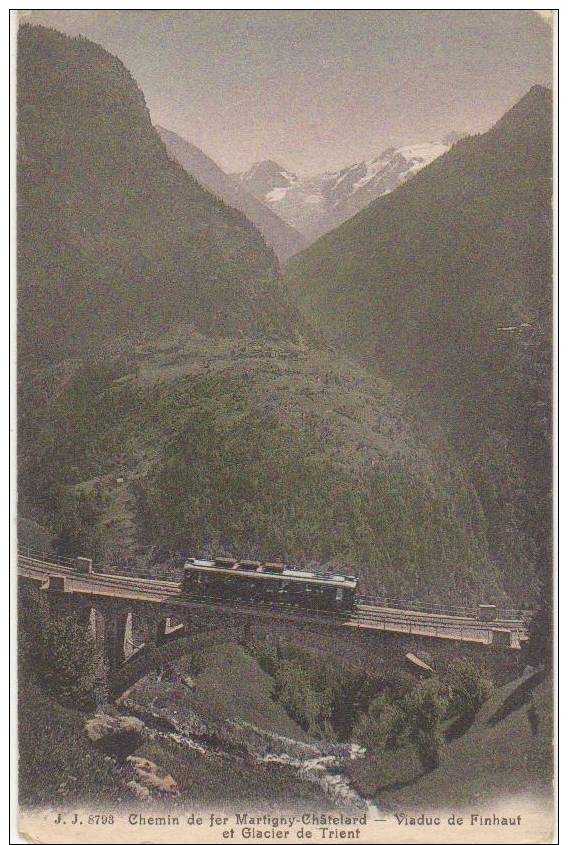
(263, 582)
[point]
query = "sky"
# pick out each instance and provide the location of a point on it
(319, 90)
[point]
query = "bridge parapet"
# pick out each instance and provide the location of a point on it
(505, 639)
(84, 565)
(55, 584)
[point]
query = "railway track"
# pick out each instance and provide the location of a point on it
(366, 615)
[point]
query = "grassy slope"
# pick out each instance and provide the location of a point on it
(498, 755)
(57, 763)
(233, 686)
(259, 449)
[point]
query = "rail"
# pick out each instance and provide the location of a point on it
(429, 607)
(373, 608)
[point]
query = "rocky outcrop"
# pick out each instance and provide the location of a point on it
(115, 735)
(138, 790)
(150, 776)
(170, 715)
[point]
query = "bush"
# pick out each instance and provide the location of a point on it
(341, 695)
(382, 726)
(266, 655)
(352, 693)
(368, 733)
(428, 746)
(399, 683)
(469, 687)
(75, 519)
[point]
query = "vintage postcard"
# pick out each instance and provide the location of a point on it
(285, 558)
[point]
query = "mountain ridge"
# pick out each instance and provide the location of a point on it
(318, 204)
(113, 235)
(280, 235)
(444, 286)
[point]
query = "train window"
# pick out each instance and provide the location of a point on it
(273, 567)
(225, 562)
(249, 564)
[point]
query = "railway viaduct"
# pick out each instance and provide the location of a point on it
(126, 614)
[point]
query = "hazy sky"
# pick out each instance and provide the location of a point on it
(318, 90)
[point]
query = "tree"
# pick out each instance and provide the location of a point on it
(75, 518)
(64, 657)
(399, 683)
(469, 687)
(540, 650)
(306, 705)
(382, 726)
(423, 710)
(267, 656)
(368, 733)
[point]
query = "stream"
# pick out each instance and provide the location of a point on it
(320, 762)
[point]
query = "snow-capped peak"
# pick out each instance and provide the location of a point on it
(266, 176)
(314, 205)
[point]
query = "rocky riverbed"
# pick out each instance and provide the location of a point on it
(167, 707)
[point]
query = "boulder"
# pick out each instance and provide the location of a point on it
(138, 790)
(152, 776)
(116, 735)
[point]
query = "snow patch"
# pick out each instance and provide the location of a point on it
(277, 194)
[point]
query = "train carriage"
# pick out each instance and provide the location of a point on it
(269, 583)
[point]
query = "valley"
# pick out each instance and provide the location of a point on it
(346, 373)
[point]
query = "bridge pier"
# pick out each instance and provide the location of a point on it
(161, 628)
(115, 619)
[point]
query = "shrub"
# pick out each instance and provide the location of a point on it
(382, 726)
(428, 745)
(75, 518)
(399, 683)
(266, 655)
(368, 733)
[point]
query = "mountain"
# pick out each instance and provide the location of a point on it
(283, 239)
(197, 445)
(300, 454)
(114, 236)
(264, 177)
(445, 287)
(315, 205)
